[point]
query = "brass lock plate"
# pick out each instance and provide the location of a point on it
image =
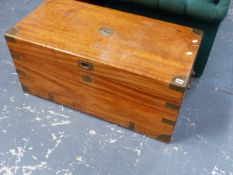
(85, 65)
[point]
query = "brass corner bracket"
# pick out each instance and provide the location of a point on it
(11, 33)
(197, 32)
(172, 106)
(178, 83)
(168, 122)
(164, 138)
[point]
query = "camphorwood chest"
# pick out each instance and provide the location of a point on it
(123, 68)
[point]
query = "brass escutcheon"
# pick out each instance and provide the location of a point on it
(85, 65)
(106, 31)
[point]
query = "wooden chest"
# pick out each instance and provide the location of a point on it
(123, 68)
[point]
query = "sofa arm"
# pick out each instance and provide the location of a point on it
(208, 11)
(221, 9)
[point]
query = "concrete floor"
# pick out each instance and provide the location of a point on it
(39, 137)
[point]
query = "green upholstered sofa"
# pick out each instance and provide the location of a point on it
(201, 14)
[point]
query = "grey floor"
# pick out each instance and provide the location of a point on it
(39, 137)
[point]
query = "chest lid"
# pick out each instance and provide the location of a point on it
(153, 52)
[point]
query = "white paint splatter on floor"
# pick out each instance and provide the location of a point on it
(92, 132)
(28, 170)
(63, 122)
(6, 170)
(58, 114)
(80, 160)
(217, 171)
(38, 119)
(112, 140)
(29, 108)
(64, 172)
(58, 139)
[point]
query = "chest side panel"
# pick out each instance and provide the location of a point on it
(40, 75)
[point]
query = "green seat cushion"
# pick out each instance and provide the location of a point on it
(176, 6)
(207, 10)
(148, 3)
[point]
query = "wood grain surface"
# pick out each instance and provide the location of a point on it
(134, 64)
